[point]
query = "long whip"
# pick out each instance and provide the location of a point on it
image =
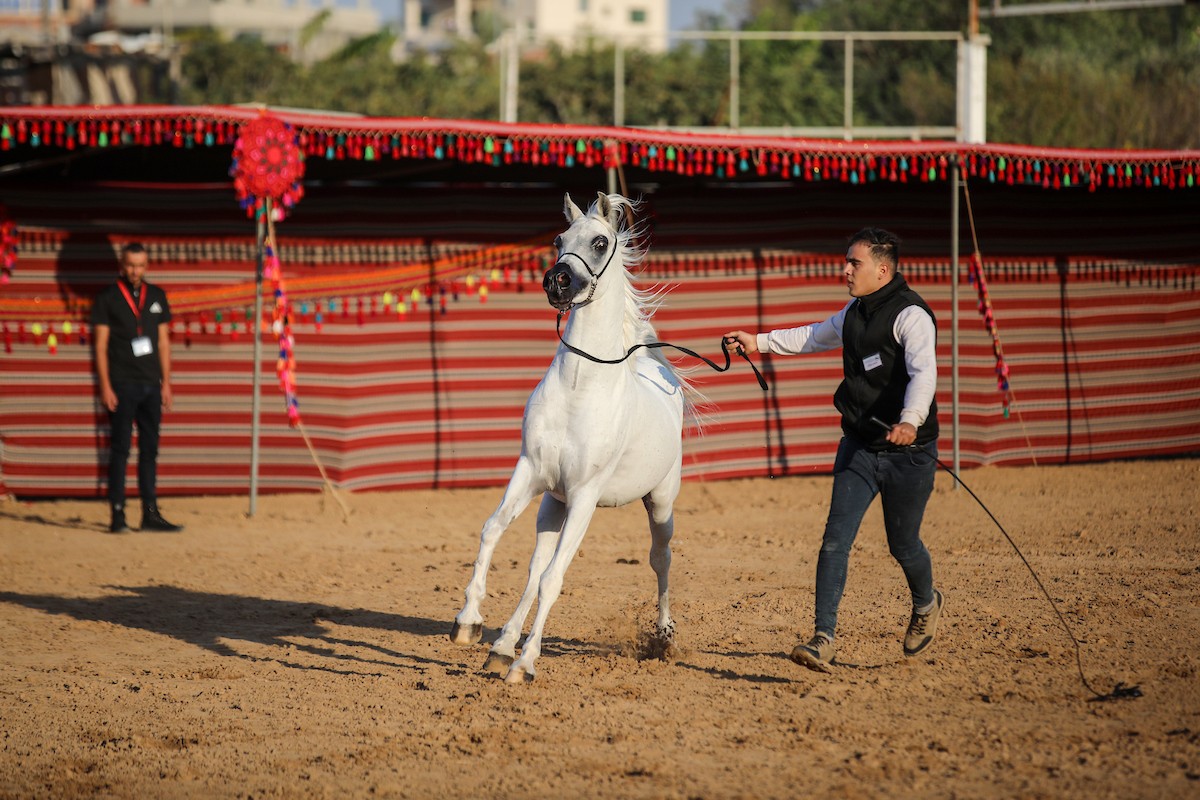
(1120, 691)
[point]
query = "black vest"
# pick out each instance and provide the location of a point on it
(878, 391)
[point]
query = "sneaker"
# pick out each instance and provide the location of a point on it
(153, 521)
(817, 654)
(923, 627)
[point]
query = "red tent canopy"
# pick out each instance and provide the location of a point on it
(340, 137)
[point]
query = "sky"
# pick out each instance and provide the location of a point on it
(683, 12)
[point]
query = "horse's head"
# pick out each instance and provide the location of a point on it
(585, 250)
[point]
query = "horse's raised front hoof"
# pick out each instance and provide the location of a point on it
(518, 675)
(497, 663)
(466, 634)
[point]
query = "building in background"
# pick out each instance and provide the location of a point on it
(307, 29)
(38, 22)
(56, 52)
(103, 52)
(430, 24)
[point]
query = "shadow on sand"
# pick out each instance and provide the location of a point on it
(215, 622)
(211, 621)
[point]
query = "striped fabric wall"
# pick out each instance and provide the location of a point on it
(1104, 346)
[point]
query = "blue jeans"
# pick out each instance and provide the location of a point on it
(140, 404)
(904, 479)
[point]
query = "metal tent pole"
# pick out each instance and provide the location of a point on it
(954, 314)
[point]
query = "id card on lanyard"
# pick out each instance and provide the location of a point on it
(142, 346)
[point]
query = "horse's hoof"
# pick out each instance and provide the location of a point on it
(497, 663)
(518, 675)
(466, 634)
(659, 645)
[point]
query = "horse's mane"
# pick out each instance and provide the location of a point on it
(640, 304)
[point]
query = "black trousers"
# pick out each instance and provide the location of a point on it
(137, 404)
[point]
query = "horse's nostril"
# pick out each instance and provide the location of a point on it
(557, 279)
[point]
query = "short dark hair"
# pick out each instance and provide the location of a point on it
(885, 245)
(132, 247)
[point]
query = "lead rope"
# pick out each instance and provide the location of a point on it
(655, 345)
(1120, 691)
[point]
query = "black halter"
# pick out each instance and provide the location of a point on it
(595, 275)
(648, 345)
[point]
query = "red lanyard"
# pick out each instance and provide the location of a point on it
(137, 310)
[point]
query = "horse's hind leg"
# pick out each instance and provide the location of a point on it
(549, 526)
(468, 624)
(660, 511)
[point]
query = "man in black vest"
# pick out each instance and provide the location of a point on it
(133, 368)
(888, 338)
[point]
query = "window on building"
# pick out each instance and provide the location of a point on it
(637, 16)
(583, 4)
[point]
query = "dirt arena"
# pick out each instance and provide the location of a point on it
(298, 654)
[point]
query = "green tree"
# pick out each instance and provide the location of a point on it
(1102, 79)
(358, 78)
(569, 86)
(243, 70)
(685, 87)
(787, 82)
(461, 83)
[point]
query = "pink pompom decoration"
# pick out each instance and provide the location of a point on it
(267, 164)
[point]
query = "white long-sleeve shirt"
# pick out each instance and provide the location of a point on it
(914, 331)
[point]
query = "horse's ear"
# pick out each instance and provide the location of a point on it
(610, 212)
(570, 210)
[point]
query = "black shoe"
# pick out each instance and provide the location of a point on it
(118, 524)
(153, 521)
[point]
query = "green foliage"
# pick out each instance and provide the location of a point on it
(685, 87)
(891, 15)
(355, 78)
(238, 71)
(314, 26)
(787, 83)
(569, 87)
(1123, 79)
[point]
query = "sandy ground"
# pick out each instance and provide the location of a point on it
(301, 654)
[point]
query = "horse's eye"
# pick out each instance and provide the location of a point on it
(558, 243)
(599, 244)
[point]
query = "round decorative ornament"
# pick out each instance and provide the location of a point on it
(267, 165)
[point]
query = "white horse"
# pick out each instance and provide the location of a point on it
(593, 435)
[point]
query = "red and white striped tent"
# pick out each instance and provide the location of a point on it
(413, 266)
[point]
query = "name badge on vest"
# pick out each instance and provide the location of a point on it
(142, 346)
(872, 361)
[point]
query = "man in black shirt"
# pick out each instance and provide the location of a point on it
(133, 367)
(888, 338)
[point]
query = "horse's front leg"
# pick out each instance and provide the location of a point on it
(660, 511)
(578, 514)
(549, 525)
(468, 624)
